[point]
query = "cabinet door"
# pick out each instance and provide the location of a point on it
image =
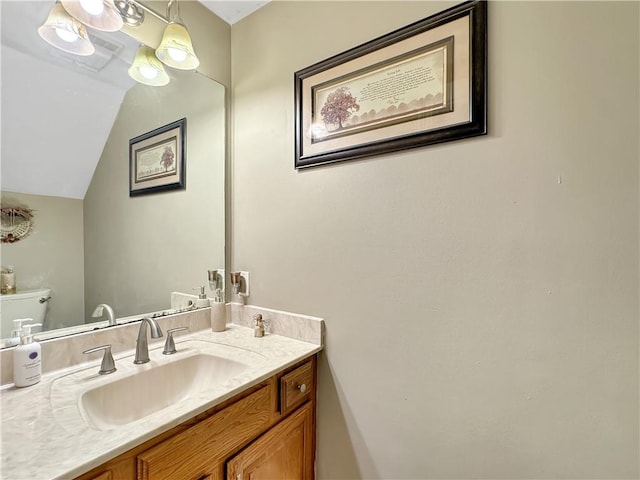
(285, 452)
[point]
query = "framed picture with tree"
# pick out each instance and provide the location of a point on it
(419, 85)
(157, 159)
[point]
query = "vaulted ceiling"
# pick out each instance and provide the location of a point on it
(233, 11)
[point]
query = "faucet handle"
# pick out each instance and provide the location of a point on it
(108, 364)
(169, 345)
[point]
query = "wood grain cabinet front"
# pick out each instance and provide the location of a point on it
(265, 432)
(108, 475)
(201, 450)
(285, 451)
(296, 387)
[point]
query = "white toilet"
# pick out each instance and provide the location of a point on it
(24, 304)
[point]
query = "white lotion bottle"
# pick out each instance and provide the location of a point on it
(27, 361)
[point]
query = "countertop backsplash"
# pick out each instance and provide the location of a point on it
(299, 327)
(63, 352)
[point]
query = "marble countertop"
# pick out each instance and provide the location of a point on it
(44, 435)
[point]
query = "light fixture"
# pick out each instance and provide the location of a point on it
(66, 29)
(176, 49)
(131, 14)
(65, 32)
(147, 69)
(99, 14)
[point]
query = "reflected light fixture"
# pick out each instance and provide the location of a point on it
(65, 32)
(176, 49)
(147, 69)
(132, 15)
(66, 29)
(99, 14)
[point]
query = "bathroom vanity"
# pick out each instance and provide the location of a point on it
(226, 405)
(267, 431)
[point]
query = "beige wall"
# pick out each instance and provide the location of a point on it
(140, 249)
(51, 256)
(482, 316)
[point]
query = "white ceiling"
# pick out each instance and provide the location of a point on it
(57, 110)
(232, 11)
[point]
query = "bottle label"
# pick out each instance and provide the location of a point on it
(31, 378)
(33, 355)
(31, 366)
(28, 373)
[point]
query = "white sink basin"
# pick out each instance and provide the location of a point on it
(136, 396)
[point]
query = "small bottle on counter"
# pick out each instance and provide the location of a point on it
(258, 330)
(27, 361)
(218, 313)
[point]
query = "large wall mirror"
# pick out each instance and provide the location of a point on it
(66, 126)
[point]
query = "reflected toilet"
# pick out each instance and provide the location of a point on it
(24, 304)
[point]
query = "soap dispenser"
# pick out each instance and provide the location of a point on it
(202, 300)
(16, 333)
(27, 363)
(218, 313)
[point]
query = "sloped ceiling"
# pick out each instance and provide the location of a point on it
(57, 109)
(233, 11)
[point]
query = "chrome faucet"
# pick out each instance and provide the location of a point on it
(98, 313)
(142, 347)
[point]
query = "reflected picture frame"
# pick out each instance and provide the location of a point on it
(423, 84)
(157, 159)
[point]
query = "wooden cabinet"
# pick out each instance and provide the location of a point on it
(296, 387)
(283, 452)
(202, 449)
(108, 475)
(266, 432)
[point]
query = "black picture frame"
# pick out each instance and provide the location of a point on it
(454, 41)
(157, 159)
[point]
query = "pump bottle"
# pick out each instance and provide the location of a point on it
(27, 362)
(218, 313)
(202, 300)
(16, 333)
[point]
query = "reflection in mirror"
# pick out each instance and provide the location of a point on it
(65, 155)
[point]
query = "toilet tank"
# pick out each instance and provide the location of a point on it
(24, 304)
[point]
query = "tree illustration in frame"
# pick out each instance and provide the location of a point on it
(339, 106)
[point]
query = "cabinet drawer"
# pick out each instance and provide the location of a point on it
(296, 387)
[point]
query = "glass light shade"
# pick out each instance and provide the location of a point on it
(65, 32)
(107, 20)
(147, 69)
(94, 7)
(175, 49)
